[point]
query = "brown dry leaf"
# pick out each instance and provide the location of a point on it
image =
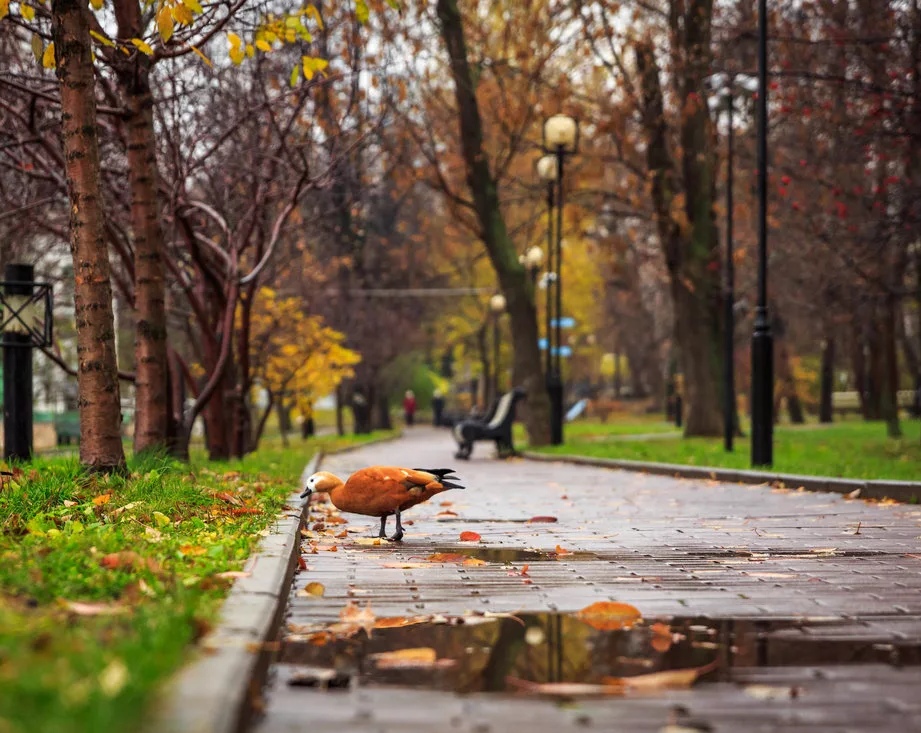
(82, 608)
(397, 622)
(229, 498)
(414, 657)
(446, 557)
(565, 689)
(69, 503)
(445, 514)
(446, 503)
(661, 637)
(335, 519)
(301, 562)
(332, 549)
(312, 589)
(102, 499)
(474, 561)
(672, 679)
(469, 537)
(130, 560)
(341, 535)
(609, 615)
(542, 520)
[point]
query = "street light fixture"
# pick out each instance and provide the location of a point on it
(497, 307)
(532, 260)
(561, 138)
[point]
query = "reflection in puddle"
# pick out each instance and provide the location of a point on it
(481, 655)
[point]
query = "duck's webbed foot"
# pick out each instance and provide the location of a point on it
(398, 537)
(383, 533)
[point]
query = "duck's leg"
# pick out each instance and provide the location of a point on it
(383, 533)
(399, 533)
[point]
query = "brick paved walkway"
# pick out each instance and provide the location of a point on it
(833, 586)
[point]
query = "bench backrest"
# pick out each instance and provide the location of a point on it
(502, 410)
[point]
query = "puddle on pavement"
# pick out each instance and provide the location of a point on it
(483, 655)
(502, 555)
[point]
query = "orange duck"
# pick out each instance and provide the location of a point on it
(379, 491)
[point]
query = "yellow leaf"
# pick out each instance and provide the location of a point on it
(4, 8)
(161, 519)
(102, 39)
(609, 616)
(165, 23)
(38, 47)
(27, 11)
(48, 56)
(312, 65)
(201, 55)
(295, 75)
(406, 658)
(361, 11)
(193, 5)
(97, 4)
(312, 12)
(181, 14)
(237, 54)
(142, 46)
(312, 589)
(234, 40)
(263, 46)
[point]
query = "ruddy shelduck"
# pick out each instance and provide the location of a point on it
(379, 491)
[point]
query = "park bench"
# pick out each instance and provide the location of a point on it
(67, 427)
(497, 427)
(850, 401)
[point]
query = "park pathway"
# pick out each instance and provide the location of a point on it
(808, 604)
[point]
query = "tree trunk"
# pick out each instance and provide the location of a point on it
(889, 383)
(340, 423)
(383, 420)
(827, 378)
(97, 372)
(514, 280)
(687, 229)
(152, 404)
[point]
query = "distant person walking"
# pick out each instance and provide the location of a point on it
(409, 407)
(438, 407)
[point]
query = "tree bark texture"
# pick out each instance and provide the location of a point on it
(97, 371)
(827, 381)
(513, 279)
(684, 212)
(151, 367)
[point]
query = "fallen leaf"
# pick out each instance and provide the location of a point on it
(564, 689)
(229, 498)
(474, 561)
(446, 557)
(336, 520)
(469, 537)
(192, 550)
(82, 608)
(69, 503)
(414, 657)
(853, 494)
(542, 520)
(312, 589)
(301, 562)
(233, 574)
(396, 622)
(152, 535)
(661, 637)
(609, 615)
(130, 560)
(161, 519)
(445, 514)
(560, 551)
(341, 535)
(672, 679)
(102, 499)
(113, 678)
(367, 540)
(332, 549)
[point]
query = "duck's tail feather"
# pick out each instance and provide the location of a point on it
(444, 475)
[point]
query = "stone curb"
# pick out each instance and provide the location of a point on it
(218, 691)
(905, 491)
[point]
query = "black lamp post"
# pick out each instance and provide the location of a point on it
(546, 170)
(729, 290)
(497, 308)
(25, 323)
(561, 138)
(762, 338)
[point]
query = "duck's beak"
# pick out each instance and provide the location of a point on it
(306, 493)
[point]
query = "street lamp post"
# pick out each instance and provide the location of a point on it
(546, 170)
(532, 260)
(729, 294)
(497, 308)
(561, 138)
(762, 339)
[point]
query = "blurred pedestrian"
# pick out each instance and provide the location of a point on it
(438, 407)
(409, 407)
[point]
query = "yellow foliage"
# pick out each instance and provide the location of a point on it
(294, 355)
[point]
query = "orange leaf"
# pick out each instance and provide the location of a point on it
(192, 550)
(446, 557)
(312, 589)
(301, 562)
(469, 537)
(661, 637)
(474, 561)
(609, 615)
(229, 498)
(406, 658)
(102, 499)
(396, 622)
(560, 551)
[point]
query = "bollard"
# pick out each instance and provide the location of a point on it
(17, 363)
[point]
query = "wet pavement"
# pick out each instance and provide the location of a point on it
(798, 611)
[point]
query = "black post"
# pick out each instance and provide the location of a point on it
(555, 383)
(17, 372)
(729, 397)
(762, 339)
(548, 369)
(495, 356)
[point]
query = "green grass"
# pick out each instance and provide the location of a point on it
(146, 552)
(849, 449)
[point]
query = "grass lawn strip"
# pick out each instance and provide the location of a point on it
(105, 581)
(845, 450)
